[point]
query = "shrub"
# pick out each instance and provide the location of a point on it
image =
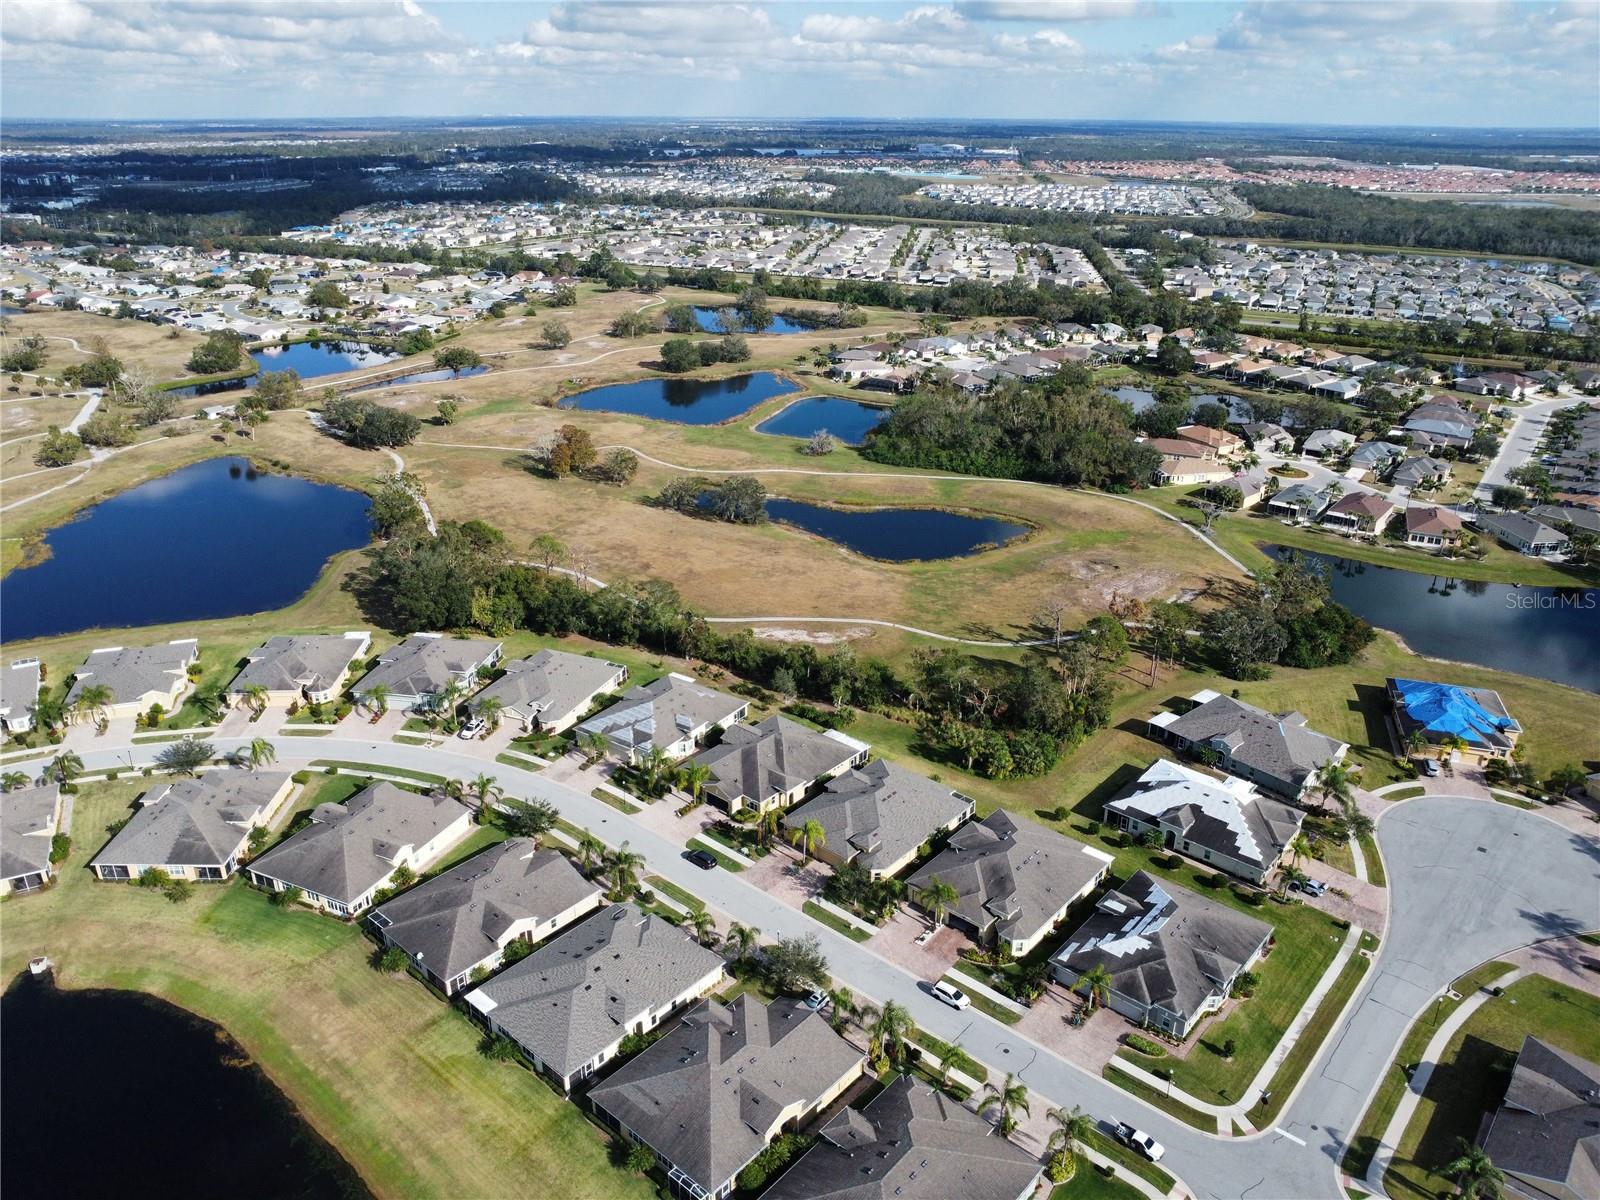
(392, 960)
(1228, 1048)
(330, 770)
(301, 777)
(1144, 1045)
(1246, 983)
(60, 847)
(640, 1159)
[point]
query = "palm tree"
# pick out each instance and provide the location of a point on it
(743, 939)
(208, 702)
(705, 929)
(1071, 1129)
(655, 763)
(809, 837)
(453, 788)
(1095, 984)
(623, 868)
(1334, 780)
(1449, 744)
(893, 1026)
(692, 778)
(594, 747)
(378, 699)
(1417, 742)
(261, 752)
(1010, 1097)
(767, 826)
(486, 789)
(938, 898)
(591, 850)
(93, 699)
(65, 766)
(1474, 1172)
(490, 708)
(1299, 849)
(843, 1002)
(50, 712)
(12, 780)
(255, 695)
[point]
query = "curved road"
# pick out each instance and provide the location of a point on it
(1471, 880)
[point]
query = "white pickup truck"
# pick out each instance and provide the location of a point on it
(1137, 1139)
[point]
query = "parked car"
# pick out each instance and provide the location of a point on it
(815, 1001)
(951, 994)
(474, 728)
(1315, 887)
(703, 859)
(1430, 766)
(1137, 1139)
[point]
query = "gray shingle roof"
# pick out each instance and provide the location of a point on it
(27, 823)
(1548, 1126)
(1163, 945)
(351, 847)
(458, 918)
(426, 663)
(910, 1143)
(19, 688)
(134, 671)
(710, 1093)
(570, 999)
(1280, 745)
(1227, 816)
(773, 757)
(1011, 873)
(193, 822)
(878, 813)
(551, 681)
(289, 662)
(672, 705)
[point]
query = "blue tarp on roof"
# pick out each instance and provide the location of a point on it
(1444, 708)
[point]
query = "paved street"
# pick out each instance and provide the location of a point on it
(1521, 441)
(1456, 865)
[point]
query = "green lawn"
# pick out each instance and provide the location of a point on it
(1089, 1184)
(963, 1062)
(817, 913)
(388, 1075)
(1128, 1160)
(667, 888)
(1369, 854)
(1313, 1036)
(1387, 1098)
(616, 802)
(723, 860)
(367, 769)
(1159, 1098)
(1471, 1075)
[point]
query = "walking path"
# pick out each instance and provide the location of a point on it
(414, 493)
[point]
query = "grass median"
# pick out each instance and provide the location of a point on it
(838, 924)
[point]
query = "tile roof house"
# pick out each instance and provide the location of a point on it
(138, 676)
(878, 816)
(1360, 512)
(19, 692)
(1014, 880)
(570, 1003)
(1223, 822)
(552, 689)
(195, 828)
(464, 918)
(1278, 751)
(673, 713)
(1545, 1136)
(717, 1087)
(350, 850)
(295, 667)
(1432, 526)
(1172, 955)
(910, 1142)
(774, 763)
(1523, 533)
(424, 665)
(1442, 710)
(29, 820)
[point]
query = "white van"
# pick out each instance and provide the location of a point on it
(951, 994)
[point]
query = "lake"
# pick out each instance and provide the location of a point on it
(110, 1091)
(848, 420)
(1142, 399)
(434, 376)
(710, 321)
(1550, 633)
(686, 401)
(309, 360)
(897, 534)
(215, 539)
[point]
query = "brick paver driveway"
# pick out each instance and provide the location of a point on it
(897, 942)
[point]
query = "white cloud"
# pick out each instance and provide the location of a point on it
(1053, 10)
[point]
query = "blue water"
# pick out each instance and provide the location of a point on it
(1551, 633)
(418, 377)
(216, 539)
(897, 534)
(308, 360)
(848, 420)
(686, 401)
(710, 321)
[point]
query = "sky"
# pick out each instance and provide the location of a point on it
(1428, 62)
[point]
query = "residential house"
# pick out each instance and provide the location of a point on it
(1544, 1136)
(1432, 526)
(1013, 879)
(1299, 502)
(672, 713)
(19, 692)
(1177, 471)
(551, 689)
(1269, 437)
(718, 1086)
(910, 1142)
(299, 667)
(1359, 512)
(774, 763)
(570, 1003)
(1323, 443)
(1173, 956)
(30, 817)
(1225, 823)
(1176, 447)
(1219, 441)
(878, 816)
(350, 850)
(1376, 457)
(1523, 534)
(1253, 486)
(195, 828)
(461, 921)
(421, 669)
(1474, 720)
(1567, 518)
(137, 676)
(1421, 472)
(1278, 751)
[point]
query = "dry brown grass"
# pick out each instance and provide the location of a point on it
(137, 343)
